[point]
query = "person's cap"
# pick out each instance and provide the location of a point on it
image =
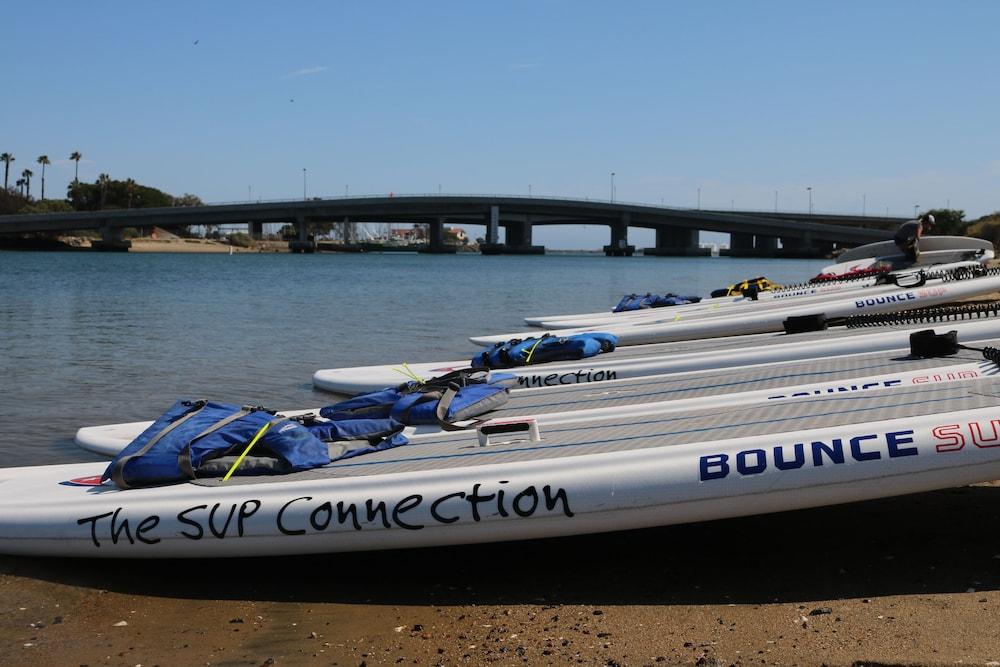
(928, 219)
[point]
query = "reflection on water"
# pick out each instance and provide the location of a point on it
(103, 338)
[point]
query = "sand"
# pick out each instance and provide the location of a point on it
(910, 580)
(203, 246)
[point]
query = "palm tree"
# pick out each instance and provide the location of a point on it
(43, 160)
(130, 186)
(75, 157)
(27, 174)
(7, 159)
(20, 186)
(103, 180)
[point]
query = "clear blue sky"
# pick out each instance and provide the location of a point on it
(894, 101)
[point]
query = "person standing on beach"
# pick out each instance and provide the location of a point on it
(908, 235)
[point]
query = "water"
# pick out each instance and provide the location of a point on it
(90, 339)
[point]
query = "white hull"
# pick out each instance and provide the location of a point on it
(588, 493)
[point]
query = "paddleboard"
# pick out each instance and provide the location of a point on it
(592, 477)
(792, 292)
(806, 295)
(664, 329)
(646, 360)
(662, 394)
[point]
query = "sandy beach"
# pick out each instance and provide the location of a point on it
(909, 580)
(203, 246)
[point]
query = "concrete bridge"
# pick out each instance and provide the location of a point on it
(753, 233)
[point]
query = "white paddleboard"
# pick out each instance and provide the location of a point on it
(806, 295)
(572, 480)
(786, 294)
(109, 440)
(762, 349)
(663, 330)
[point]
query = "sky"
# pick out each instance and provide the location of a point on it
(883, 105)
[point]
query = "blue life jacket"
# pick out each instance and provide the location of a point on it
(633, 302)
(456, 396)
(449, 405)
(204, 439)
(673, 300)
(348, 438)
(517, 352)
(636, 302)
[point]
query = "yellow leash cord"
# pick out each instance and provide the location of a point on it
(531, 351)
(408, 372)
(246, 451)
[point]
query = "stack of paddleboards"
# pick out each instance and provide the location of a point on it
(580, 459)
(934, 250)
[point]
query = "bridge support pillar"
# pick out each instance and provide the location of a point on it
(435, 239)
(255, 230)
(619, 246)
(766, 246)
(804, 248)
(740, 245)
(111, 241)
(676, 242)
(493, 225)
(517, 238)
(305, 241)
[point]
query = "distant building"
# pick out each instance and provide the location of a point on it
(418, 234)
(455, 236)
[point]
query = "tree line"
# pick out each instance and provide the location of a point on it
(104, 193)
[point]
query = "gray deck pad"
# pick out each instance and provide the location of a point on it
(456, 450)
(653, 388)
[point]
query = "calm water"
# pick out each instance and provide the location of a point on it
(91, 339)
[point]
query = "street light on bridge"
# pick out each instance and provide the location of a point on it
(304, 196)
(612, 187)
(810, 191)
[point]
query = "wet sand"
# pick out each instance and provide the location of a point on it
(909, 580)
